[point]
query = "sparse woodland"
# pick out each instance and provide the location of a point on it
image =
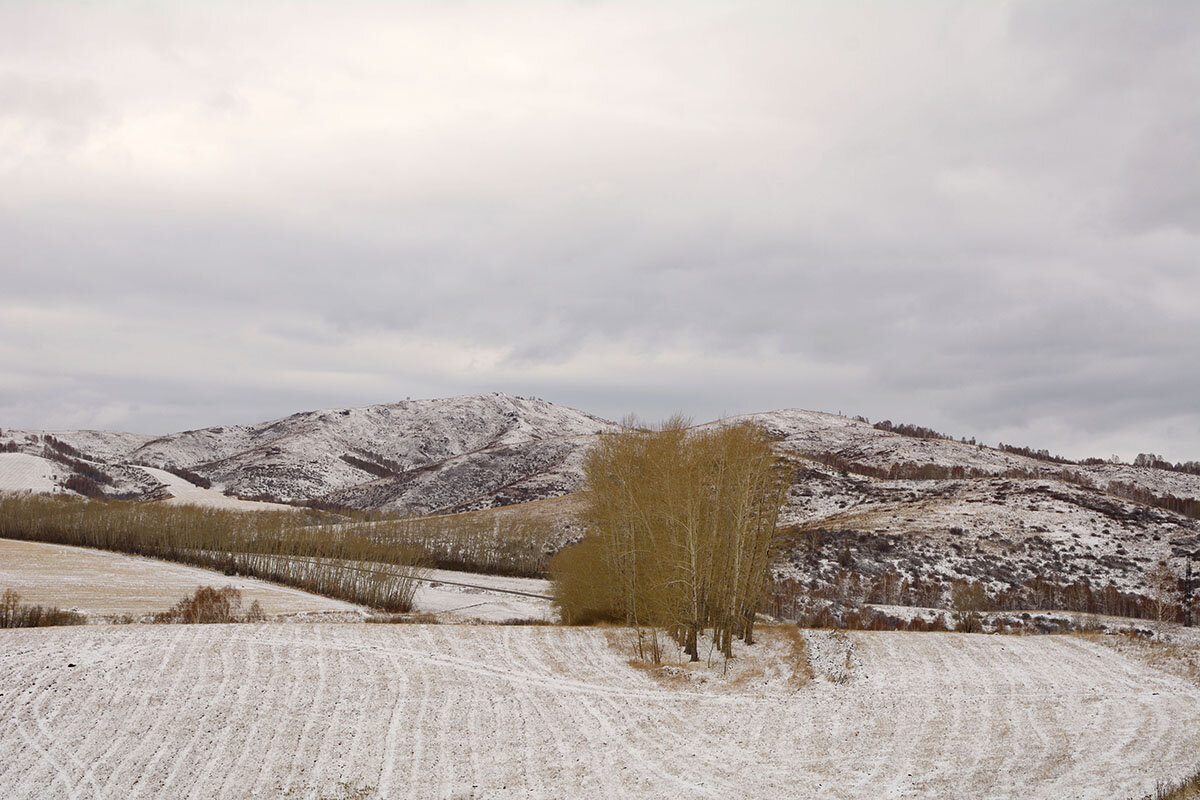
(680, 532)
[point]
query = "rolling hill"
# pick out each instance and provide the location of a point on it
(868, 500)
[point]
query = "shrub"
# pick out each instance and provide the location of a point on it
(968, 599)
(206, 605)
(15, 614)
(209, 605)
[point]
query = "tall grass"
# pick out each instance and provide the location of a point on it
(282, 546)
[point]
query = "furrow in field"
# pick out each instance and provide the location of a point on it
(156, 721)
(336, 711)
(285, 728)
(263, 687)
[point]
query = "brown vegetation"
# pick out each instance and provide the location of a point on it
(1186, 789)
(838, 602)
(15, 614)
(475, 542)
(681, 529)
(210, 605)
(282, 546)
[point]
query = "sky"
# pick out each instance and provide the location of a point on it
(983, 218)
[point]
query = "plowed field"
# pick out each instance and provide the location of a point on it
(354, 710)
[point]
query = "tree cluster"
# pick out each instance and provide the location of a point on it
(189, 475)
(913, 431)
(1158, 462)
(378, 470)
(680, 531)
(79, 467)
(1039, 455)
(62, 447)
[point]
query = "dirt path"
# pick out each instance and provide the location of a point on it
(364, 711)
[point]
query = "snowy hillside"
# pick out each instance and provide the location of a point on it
(458, 453)
(860, 499)
(1003, 519)
(21, 472)
(800, 432)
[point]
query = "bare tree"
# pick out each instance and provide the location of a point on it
(681, 526)
(968, 599)
(1164, 594)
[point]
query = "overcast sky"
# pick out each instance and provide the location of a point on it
(979, 217)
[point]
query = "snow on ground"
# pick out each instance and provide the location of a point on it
(100, 583)
(184, 492)
(21, 472)
(374, 711)
(446, 595)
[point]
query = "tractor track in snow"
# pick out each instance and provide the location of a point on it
(388, 711)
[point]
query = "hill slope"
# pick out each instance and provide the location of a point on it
(861, 499)
(423, 456)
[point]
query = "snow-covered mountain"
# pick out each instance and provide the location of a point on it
(424, 456)
(873, 500)
(861, 497)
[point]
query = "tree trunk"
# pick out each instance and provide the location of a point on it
(691, 647)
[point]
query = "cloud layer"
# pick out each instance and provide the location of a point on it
(979, 217)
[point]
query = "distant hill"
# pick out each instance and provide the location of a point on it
(872, 500)
(422, 456)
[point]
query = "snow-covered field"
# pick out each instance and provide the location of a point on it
(184, 492)
(21, 472)
(491, 598)
(366, 711)
(103, 584)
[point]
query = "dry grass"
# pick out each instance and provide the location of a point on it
(780, 656)
(802, 670)
(15, 614)
(1180, 660)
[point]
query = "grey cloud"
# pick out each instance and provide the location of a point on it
(965, 216)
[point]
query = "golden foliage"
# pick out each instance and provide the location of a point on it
(680, 530)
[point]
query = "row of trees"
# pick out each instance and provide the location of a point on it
(681, 525)
(289, 547)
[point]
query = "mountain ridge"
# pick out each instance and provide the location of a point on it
(860, 497)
